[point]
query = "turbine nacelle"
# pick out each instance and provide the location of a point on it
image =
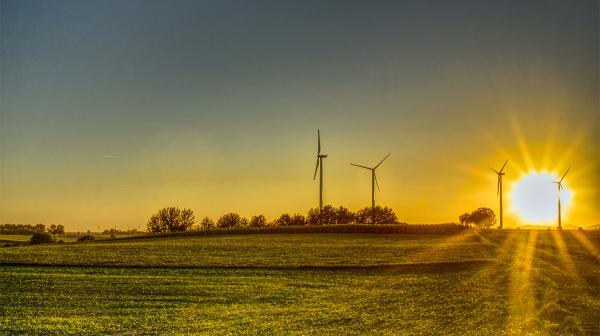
(559, 182)
(374, 176)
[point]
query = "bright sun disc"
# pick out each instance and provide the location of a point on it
(534, 198)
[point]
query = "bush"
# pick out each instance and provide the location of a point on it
(86, 237)
(231, 220)
(171, 219)
(40, 238)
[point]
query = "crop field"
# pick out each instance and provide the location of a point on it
(511, 282)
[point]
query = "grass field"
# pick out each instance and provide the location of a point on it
(514, 282)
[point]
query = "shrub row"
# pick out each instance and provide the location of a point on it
(450, 228)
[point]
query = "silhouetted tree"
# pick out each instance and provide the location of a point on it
(465, 218)
(60, 230)
(231, 220)
(207, 223)
(313, 217)
(483, 218)
(283, 220)
(329, 215)
(39, 228)
(171, 219)
(298, 219)
(53, 230)
(258, 221)
(344, 216)
(376, 215)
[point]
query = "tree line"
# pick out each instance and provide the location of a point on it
(21, 229)
(174, 219)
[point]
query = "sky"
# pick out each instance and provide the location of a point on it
(110, 110)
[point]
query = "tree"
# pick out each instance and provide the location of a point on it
(53, 230)
(465, 218)
(171, 219)
(207, 223)
(376, 215)
(319, 217)
(329, 215)
(287, 220)
(483, 218)
(231, 220)
(60, 230)
(298, 219)
(313, 217)
(258, 221)
(283, 220)
(344, 216)
(39, 228)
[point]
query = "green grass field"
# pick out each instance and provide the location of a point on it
(514, 282)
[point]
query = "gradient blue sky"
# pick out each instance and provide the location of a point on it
(112, 109)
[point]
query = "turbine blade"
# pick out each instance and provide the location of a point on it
(501, 169)
(352, 164)
(380, 162)
(376, 182)
(318, 141)
(563, 177)
(498, 188)
(494, 170)
(316, 168)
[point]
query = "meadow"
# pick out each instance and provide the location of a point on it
(511, 282)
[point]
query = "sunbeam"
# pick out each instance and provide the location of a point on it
(522, 299)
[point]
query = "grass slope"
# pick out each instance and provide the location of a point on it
(533, 282)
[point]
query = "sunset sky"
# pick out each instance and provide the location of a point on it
(110, 110)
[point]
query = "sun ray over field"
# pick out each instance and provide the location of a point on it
(567, 261)
(586, 243)
(522, 311)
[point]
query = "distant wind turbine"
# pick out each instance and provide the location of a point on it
(559, 185)
(500, 173)
(319, 167)
(373, 178)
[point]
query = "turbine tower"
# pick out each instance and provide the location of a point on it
(500, 173)
(319, 167)
(559, 185)
(373, 178)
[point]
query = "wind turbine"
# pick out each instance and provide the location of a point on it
(500, 173)
(373, 178)
(319, 167)
(559, 185)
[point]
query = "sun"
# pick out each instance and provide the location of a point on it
(534, 198)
